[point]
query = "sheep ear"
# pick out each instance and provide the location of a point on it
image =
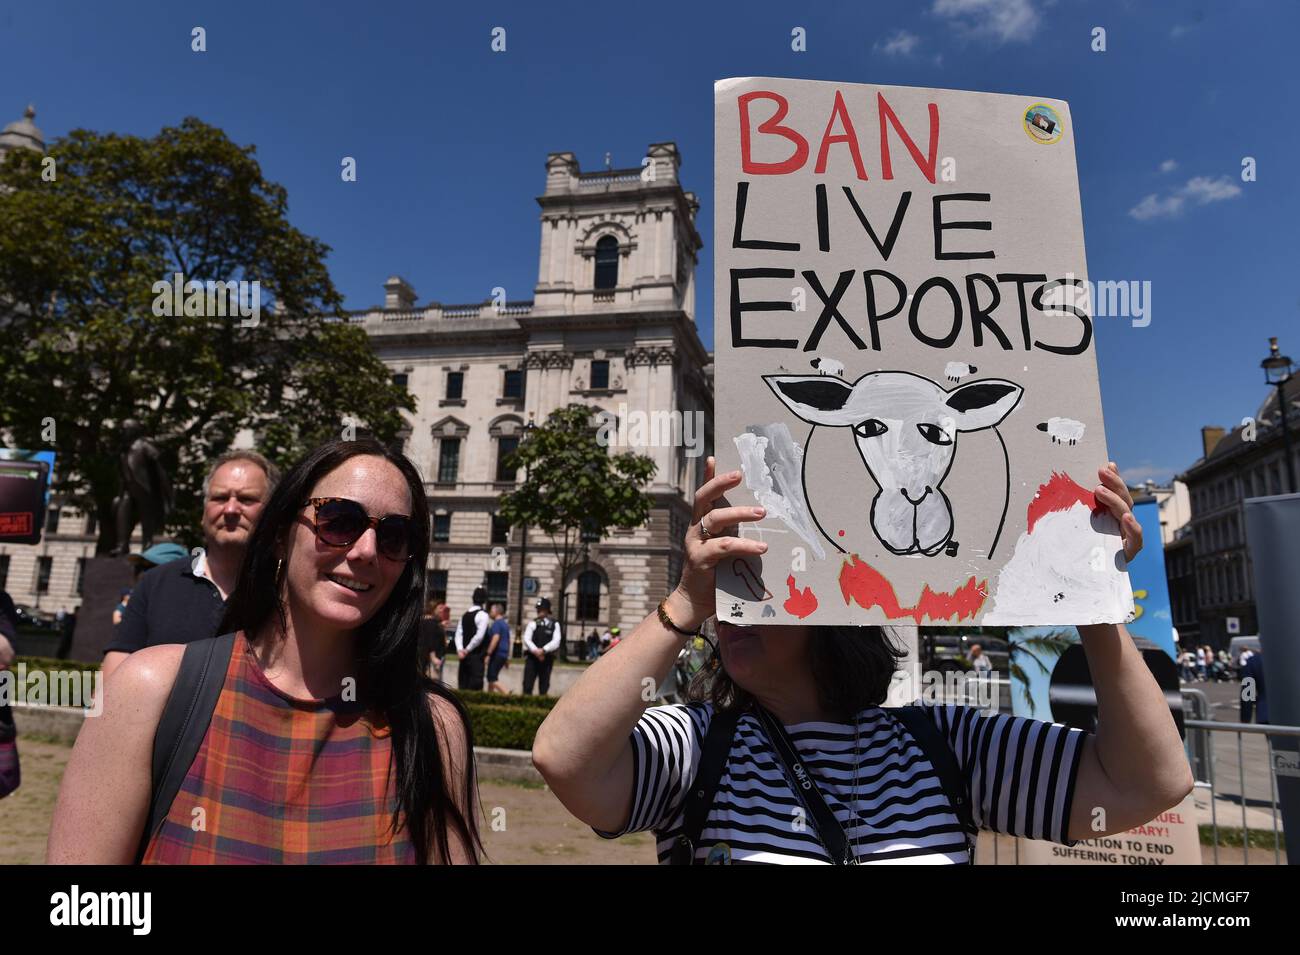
(817, 399)
(982, 404)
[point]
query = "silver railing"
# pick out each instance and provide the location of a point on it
(1203, 757)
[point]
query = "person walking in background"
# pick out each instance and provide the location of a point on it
(433, 640)
(10, 776)
(472, 649)
(1252, 690)
(1200, 663)
(593, 645)
(978, 661)
(541, 640)
(183, 598)
(498, 652)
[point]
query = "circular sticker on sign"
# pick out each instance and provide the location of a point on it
(1043, 124)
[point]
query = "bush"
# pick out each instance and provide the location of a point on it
(483, 698)
(49, 663)
(505, 727)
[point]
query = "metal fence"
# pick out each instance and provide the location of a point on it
(1205, 757)
(1239, 776)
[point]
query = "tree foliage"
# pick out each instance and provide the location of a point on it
(573, 486)
(81, 347)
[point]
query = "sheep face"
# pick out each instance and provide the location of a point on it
(905, 427)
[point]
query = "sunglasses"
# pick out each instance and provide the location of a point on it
(341, 522)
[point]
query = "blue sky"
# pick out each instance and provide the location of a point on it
(451, 139)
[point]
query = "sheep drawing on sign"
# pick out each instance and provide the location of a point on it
(905, 427)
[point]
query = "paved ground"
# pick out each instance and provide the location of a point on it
(536, 828)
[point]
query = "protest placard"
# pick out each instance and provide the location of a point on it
(904, 359)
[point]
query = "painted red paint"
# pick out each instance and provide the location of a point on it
(1059, 494)
(800, 602)
(861, 582)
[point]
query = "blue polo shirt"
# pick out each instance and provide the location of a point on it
(500, 626)
(170, 604)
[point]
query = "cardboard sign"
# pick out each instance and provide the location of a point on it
(904, 359)
(1171, 838)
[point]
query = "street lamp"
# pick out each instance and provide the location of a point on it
(1278, 370)
(523, 550)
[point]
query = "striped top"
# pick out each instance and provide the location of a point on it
(1020, 774)
(282, 780)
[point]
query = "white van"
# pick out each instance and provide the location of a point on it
(1237, 644)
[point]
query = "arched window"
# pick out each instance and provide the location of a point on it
(588, 595)
(607, 263)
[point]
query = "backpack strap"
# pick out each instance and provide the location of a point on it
(939, 752)
(184, 723)
(699, 799)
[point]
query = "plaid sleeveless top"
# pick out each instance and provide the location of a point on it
(280, 780)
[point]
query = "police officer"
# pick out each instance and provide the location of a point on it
(541, 640)
(472, 643)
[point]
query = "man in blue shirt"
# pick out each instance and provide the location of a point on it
(498, 649)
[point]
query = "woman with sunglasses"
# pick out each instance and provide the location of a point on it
(328, 743)
(786, 755)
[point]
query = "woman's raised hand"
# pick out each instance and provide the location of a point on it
(1113, 494)
(709, 539)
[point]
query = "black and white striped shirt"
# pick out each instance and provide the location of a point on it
(1020, 774)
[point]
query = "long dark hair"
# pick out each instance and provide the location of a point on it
(390, 681)
(852, 668)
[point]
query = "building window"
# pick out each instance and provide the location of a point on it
(438, 585)
(92, 523)
(448, 460)
(79, 586)
(507, 444)
(514, 383)
(400, 380)
(497, 583)
(500, 530)
(43, 567)
(52, 520)
(607, 263)
(4, 570)
(600, 374)
(589, 595)
(455, 384)
(442, 528)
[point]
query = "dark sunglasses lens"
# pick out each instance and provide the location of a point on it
(393, 537)
(340, 522)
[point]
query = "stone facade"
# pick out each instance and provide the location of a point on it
(611, 325)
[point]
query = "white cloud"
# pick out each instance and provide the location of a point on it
(1199, 189)
(1003, 20)
(1204, 189)
(1141, 472)
(1154, 207)
(901, 43)
(1169, 165)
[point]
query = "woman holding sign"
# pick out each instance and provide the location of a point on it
(787, 755)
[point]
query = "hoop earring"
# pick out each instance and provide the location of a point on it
(279, 567)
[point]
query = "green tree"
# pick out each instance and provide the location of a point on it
(81, 345)
(575, 488)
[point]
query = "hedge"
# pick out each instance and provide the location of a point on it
(483, 698)
(505, 727)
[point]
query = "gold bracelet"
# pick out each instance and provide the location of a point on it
(667, 621)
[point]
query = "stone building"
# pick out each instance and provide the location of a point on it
(611, 325)
(1245, 462)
